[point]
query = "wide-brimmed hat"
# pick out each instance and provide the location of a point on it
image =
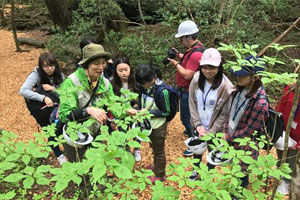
(252, 66)
(211, 57)
(92, 51)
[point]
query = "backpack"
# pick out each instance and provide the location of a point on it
(274, 126)
(38, 110)
(173, 98)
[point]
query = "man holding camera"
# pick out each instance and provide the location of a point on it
(188, 65)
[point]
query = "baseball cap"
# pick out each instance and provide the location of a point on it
(251, 67)
(211, 57)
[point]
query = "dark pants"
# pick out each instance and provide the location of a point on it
(291, 160)
(185, 116)
(71, 153)
(210, 166)
(158, 137)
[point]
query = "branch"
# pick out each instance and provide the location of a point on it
(141, 12)
(220, 14)
(128, 22)
(280, 37)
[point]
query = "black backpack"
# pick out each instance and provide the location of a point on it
(173, 97)
(38, 110)
(274, 126)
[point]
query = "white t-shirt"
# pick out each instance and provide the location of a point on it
(206, 103)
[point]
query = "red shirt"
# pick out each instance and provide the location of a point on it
(192, 64)
(285, 106)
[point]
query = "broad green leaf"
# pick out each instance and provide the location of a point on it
(7, 165)
(28, 182)
(26, 159)
(42, 181)
(60, 185)
(10, 195)
(14, 178)
(122, 172)
(13, 157)
(28, 170)
(98, 171)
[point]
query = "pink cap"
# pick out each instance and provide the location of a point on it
(211, 57)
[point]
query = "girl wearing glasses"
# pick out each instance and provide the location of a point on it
(39, 92)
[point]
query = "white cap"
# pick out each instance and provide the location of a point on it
(187, 28)
(211, 57)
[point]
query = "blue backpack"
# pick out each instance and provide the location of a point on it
(173, 98)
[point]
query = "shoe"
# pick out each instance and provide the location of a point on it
(137, 155)
(283, 188)
(62, 159)
(194, 176)
(188, 153)
(155, 178)
(185, 133)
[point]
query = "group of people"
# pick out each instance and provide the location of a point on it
(209, 103)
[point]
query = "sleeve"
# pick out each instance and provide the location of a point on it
(195, 118)
(68, 99)
(193, 62)
(164, 101)
(218, 125)
(27, 88)
(258, 113)
(281, 106)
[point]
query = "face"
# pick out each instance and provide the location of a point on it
(96, 67)
(209, 72)
(244, 81)
(48, 68)
(123, 71)
(185, 41)
(148, 84)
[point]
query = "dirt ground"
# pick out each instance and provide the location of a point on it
(14, 116)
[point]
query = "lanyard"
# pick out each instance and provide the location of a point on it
(204, 99)
(238, 108)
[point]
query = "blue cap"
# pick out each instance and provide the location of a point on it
(250, 69)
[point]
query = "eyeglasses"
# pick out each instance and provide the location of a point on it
(48, 66)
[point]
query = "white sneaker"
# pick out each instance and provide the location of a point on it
(61, 159)
(283, 188)
(137, 155)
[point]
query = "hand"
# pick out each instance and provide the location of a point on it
(97, 114)
(131, 111)
(48, 102)
(48, 87)
(173, 61)
(201, 131)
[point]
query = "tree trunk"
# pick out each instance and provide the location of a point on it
(14, 30)
(220, 14)
(295, 187)
(59, 13)
(32, 42)
(2, 18)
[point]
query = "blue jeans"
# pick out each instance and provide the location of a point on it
(185, 116)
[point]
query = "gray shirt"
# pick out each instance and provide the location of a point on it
(32, 81)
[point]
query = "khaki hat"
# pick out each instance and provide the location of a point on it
(92, 51)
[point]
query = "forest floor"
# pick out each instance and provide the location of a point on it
(14, 69)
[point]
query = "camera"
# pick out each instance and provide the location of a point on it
(171, 53)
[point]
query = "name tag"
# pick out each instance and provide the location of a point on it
(231, 124)
(212, 102)
(294, 125)
(203, 114)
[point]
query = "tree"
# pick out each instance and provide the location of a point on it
(14, 29)
(2, 18)
(59, 13)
